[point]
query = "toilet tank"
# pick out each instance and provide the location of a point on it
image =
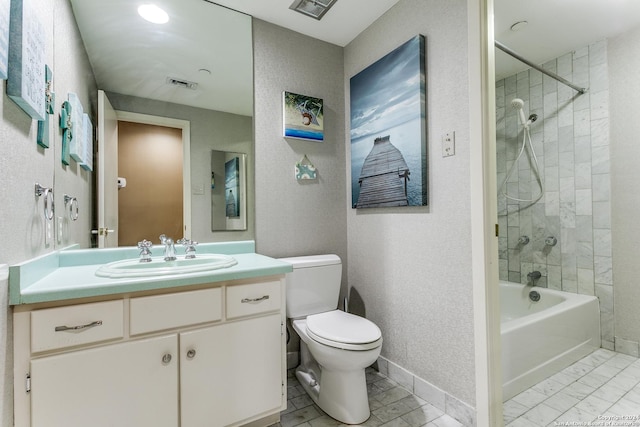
(314, 285)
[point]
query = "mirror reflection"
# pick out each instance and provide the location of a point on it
(228, 191)
(197, 66)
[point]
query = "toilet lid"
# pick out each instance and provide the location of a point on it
(343, 330)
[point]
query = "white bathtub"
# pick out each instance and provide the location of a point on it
(541, 338)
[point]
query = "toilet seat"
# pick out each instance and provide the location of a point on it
(343, 330)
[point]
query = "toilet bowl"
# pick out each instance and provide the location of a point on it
(335, 347)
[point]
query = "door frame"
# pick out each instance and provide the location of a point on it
(185, 126)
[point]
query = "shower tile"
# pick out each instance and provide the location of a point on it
(522, 75)
(582, 122)
(582, 101)
(583, 147)
(600, 105)
(602, 242)
(586, 284)
(549, 84)
(535, 77)
(600, 132)
(565, 65)
(601, 187)
(514, 276)
(567, 181)
(522, 90)
(603, 269)
(552, 203)
(583, 202)
(569, 285)
(551, 152)
(551, 180)
(565, 133)
(598, 53)
(580, 65)
(583, 177)
(568, 214)
(606, 327)
(584, 229)
(554, 277)
(565, 94)
(578, 53)
(600, 160)
(584, 255)
(605, 296)
(568, 238)
(536, 96)
(510, 87)
(565, 116)
(598, 78)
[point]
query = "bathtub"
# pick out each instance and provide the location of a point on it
(541, 338)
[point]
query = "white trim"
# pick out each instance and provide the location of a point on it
(185, 126)
(484, 219)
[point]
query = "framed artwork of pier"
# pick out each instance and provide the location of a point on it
(389, 130)
(303, 117)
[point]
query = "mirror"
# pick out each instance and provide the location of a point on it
(196, 67)
(228, 191)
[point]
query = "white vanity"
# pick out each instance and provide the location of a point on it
(198, 349)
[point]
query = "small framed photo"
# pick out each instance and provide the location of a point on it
(303, 117)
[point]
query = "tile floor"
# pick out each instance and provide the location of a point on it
(390, 404)
(602, 387)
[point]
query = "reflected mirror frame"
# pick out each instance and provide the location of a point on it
(228, 191)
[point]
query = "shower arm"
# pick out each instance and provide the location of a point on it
(580, 90)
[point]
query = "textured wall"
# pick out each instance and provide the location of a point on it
(410, 268)
(624, 63)
(23, 163)
(210, 130)
(298, 218)
(571, 141)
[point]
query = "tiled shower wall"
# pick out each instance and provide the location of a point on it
(571, 142)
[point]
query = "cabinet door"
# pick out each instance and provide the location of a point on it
(124, 385)
(235, 373)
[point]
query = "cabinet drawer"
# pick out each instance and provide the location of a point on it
(255, 298)
(159, 312)
(61, 327)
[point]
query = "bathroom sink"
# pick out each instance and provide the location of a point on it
(159, 267)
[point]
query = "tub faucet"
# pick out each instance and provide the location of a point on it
(533, 276)
(169, 248)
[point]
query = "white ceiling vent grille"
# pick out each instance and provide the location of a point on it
(313, 8)
(182, 83)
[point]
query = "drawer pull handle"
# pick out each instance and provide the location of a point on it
(79, 327)
(249, 300)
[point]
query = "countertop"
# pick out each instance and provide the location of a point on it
(70, 274)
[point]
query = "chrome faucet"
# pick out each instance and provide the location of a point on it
(169, 248)
(145, 250)
(533, 276)
(190, 247)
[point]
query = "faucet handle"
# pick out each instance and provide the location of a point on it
(145, 250)
(190, 245)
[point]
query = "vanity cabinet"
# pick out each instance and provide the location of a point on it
(210, 356)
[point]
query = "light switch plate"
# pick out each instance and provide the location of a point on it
(448, 144)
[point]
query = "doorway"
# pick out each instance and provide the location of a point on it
(150, 170)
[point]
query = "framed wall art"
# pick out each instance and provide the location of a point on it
(26, 65)
(303, 117)
(5, 7)
(389, 130)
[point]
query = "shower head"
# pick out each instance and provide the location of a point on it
(518, 105)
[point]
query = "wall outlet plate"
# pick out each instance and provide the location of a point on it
(448, 144)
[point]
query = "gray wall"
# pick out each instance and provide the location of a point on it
(306, 217)
(210, 130)
(410, 268)
(624, 63)
(571, 141)
(23, 163)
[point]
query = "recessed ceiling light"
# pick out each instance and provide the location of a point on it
(519, 25)
(313, 8)
(153, 13)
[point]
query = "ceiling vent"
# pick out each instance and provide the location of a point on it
(182, 83)
(313, 8)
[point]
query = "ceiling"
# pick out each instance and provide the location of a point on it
(216, 38)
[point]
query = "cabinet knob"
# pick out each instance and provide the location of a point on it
(191, 354)
(166, 358)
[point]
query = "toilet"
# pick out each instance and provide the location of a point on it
(335, 347)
